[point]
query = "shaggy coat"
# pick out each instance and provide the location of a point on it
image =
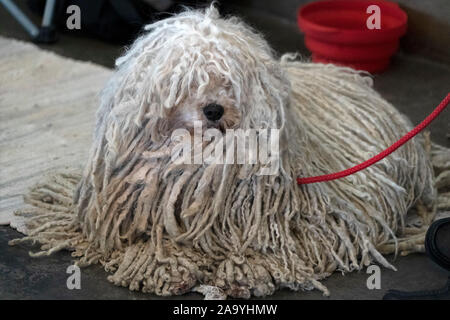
(170, 228)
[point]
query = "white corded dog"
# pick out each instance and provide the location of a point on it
(169, 228)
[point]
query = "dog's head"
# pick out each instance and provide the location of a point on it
(197, 66)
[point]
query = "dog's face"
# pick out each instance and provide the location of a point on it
(198, 67)
(215, 109)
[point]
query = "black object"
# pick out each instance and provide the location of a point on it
(438, 294)
(437, 242)
(46, 35)
(111, 20)
(213, 111)
(437, 247)
(117, 21)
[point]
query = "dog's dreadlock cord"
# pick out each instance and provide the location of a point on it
(384, 153)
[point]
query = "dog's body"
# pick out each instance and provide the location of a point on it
(166, 228)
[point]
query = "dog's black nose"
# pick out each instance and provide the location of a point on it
(213, 111)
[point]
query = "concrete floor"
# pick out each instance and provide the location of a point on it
(414, 84)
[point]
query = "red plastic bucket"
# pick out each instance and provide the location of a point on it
(336, 32)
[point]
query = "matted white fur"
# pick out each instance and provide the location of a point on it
(166, 228)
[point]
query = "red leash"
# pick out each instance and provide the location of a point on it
(381, 155)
